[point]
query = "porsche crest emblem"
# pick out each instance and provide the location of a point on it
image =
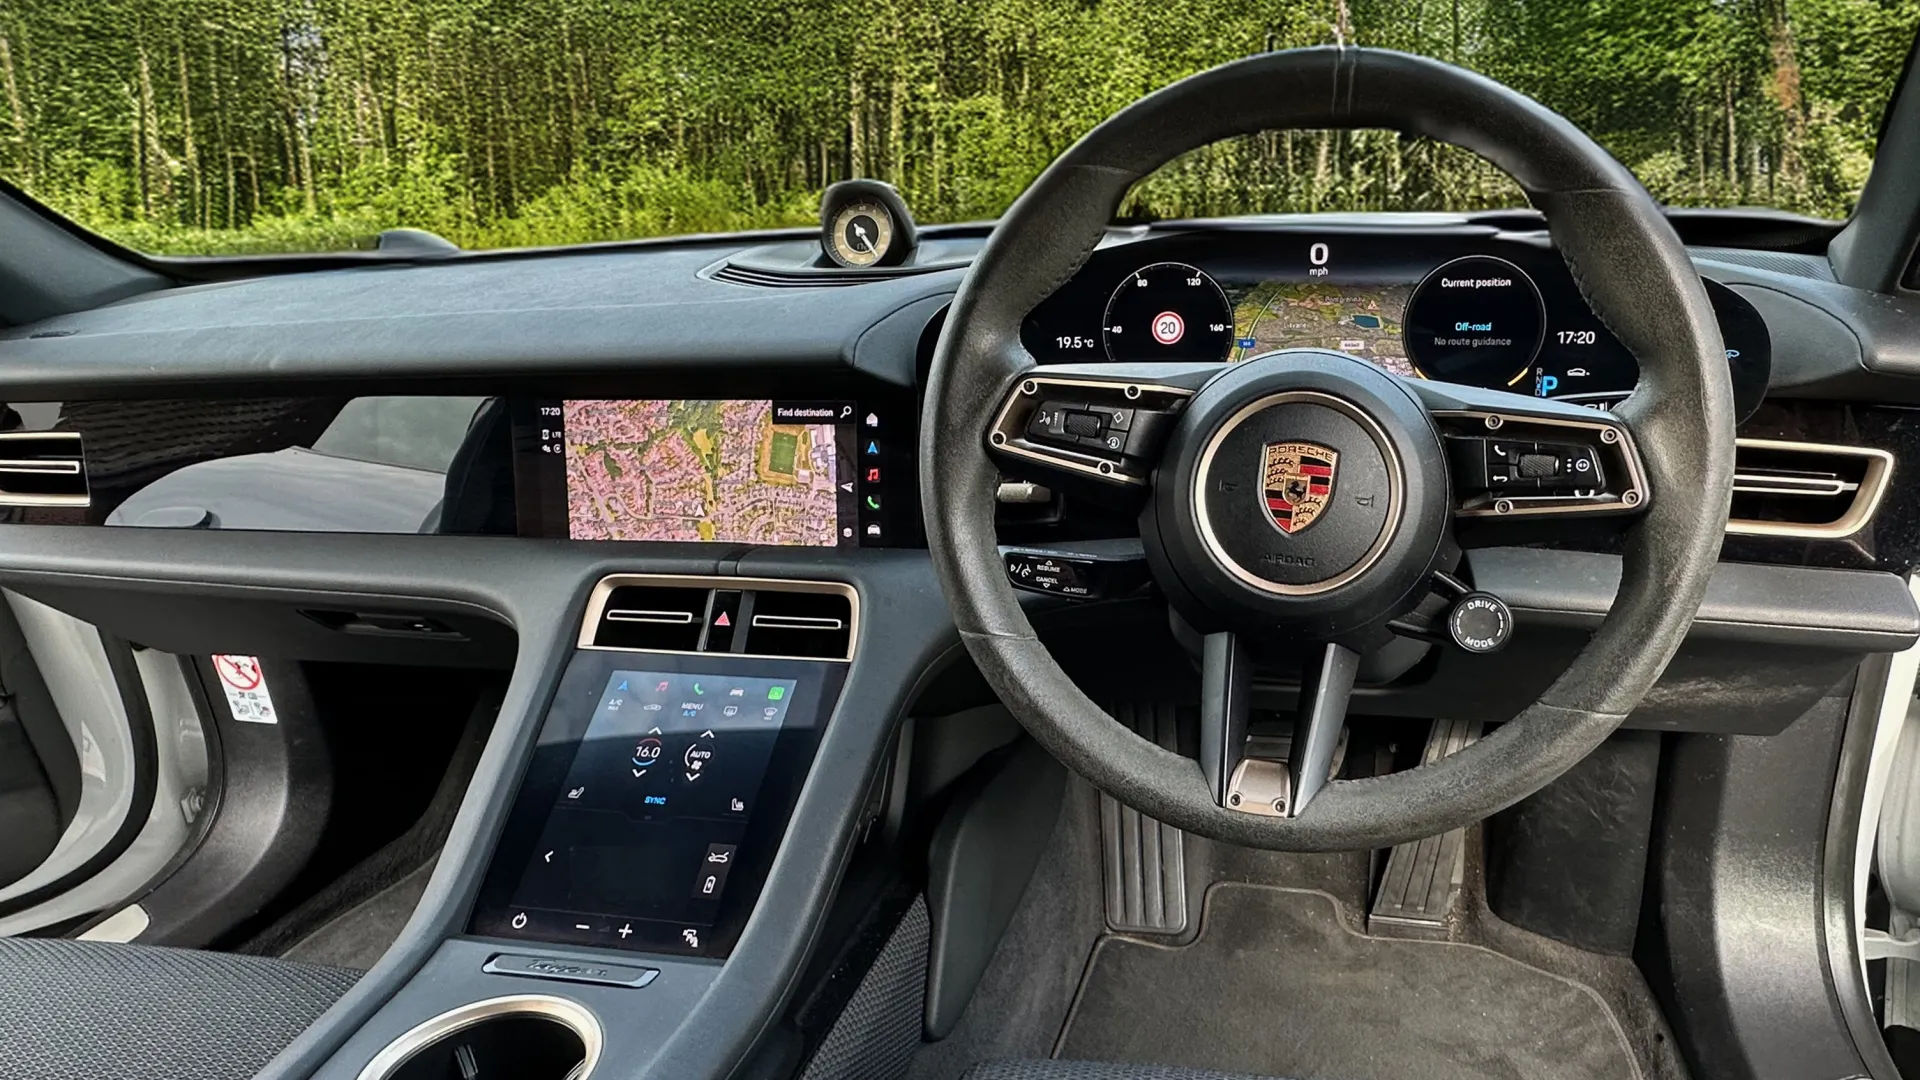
(1297, 483)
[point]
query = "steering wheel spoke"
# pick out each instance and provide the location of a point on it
(1102, 422)
(1258, 786)
(1512, 456)
(1324, 693)
(1225, 671)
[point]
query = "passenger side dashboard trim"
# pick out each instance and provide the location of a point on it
(1866, 500)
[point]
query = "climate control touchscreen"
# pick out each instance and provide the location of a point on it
(641, 837)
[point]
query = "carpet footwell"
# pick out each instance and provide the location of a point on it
(1278, 985)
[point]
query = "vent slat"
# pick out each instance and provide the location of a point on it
(812, 624)
(631, 615)
(810, 277)
(1808, 490)
(649, 617)
(42, 468)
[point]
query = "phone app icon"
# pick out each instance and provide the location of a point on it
(775, 693)
(699, 689)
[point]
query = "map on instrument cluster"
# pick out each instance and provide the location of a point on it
(698, 470)
(1361, 320)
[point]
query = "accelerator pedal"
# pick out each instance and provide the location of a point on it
(1144, 860)
(1421, 886)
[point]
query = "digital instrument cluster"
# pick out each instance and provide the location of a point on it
(1451, 305)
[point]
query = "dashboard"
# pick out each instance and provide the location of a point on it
(619, 404)
(1471, 306)
(786, 417)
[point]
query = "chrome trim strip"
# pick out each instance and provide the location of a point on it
(796, 622)
(597, 603)
(45, 467)
(1396, 485)
(674, 618)
(557, 1009)
(39, 466)
(1866, 501)
(1812, 486)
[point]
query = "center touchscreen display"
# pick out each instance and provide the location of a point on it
(653, 827)
(745, 471)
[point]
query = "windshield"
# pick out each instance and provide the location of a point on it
(243, 126)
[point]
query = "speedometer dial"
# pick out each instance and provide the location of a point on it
(1168, 311)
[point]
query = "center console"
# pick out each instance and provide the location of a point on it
(640, 838)
(668, 764)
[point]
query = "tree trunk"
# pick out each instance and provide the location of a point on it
(157, 186)
(23, 154)
(1733, 144)
(856, 138)
(1785, 88)
(196, 213)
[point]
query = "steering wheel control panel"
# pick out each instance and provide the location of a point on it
(664, 776)
(1110, 430)
(1504, 464)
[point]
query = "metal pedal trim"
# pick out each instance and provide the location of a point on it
(1143, 861)
(1420, 887)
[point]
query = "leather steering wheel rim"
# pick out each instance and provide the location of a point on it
(1629, 265)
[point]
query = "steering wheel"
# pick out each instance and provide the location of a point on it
(1309, 499)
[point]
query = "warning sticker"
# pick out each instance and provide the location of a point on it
(246, 688)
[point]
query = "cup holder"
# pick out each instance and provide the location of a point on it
(525, 1037)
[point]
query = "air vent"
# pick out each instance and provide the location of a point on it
(1810, 490)
(812, 624)
(652, 617)
(42, 468)
(738, 616)
(810, 277)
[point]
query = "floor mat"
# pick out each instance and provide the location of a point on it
(1277, 985)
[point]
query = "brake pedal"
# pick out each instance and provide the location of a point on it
(1420, 888)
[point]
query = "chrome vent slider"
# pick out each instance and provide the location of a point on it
(43, 468)
(1815, 491)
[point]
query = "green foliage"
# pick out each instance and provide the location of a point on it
(217, 126)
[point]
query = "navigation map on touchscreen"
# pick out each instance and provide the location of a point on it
(698, 470)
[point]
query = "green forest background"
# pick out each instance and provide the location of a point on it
(194, 126)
